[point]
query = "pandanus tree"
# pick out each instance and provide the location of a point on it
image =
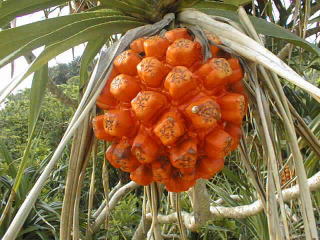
(178, 85)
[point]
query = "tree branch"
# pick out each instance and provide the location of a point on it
(239, 211)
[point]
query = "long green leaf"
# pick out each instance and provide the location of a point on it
(40, 79)
(14, 8)
(83, 36)
(122, 6)
(18, 48)
(14, 38)
(7, 159)
(266, 28)
(37, 93)
(88, 55)
(55, 49)
(239, 2)
(209, 5)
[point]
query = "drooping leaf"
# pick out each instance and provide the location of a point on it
(10, 51)
(7, 159)
(40, 79)
(238, 2)
(15, 8)
(88, 55)
(83, 36)
(37, 93)
(55, 49)
(208, 5)
(21, 35)
(266, 28)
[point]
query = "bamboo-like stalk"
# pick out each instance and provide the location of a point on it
(92, 185)
(76, 211)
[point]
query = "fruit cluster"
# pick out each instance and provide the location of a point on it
(172, 117)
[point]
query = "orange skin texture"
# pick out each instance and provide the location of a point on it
(177, 33)
(179, 82)
(183, 52)
(97, 125)
(237, 72)
(117, 123)
(156, 46)
(148, 104)
(215, 72)
(176, 116)
(207, 167)
(137, 45)
(109, 156)
(142, 175)
(233, 107)
(218, 143)
(185, 154)
(161, 169)
(106, 99)
(235, 132)
(144, 148)
(151, 71)
(122, 156)
(127, 62)
(124, 87)
(169, 128)
(204, 113)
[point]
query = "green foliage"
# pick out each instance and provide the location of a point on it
(125, 218)
(62, 72)
(14, 123)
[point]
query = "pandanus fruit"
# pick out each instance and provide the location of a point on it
(172, 116)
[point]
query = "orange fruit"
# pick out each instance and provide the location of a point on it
(173, 116)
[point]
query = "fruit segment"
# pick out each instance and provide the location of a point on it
(233, 107)
(156, 46)
(176, 34)
(118, 123)
(183, 52)
(218, 143)
(204, 113)
(235, 132)
(144, 148)
(161, 169)
(185, 154)
(98, 129)
(237, 72)
(142, 175)
(179, 82)
(148, 104)
(137, 45)
(109, 156)
(106, 100)
(127, 62)
(122, 156)
(169, 128)
(207, 167)
(151, 71)
(215, 72)
(124, 87)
